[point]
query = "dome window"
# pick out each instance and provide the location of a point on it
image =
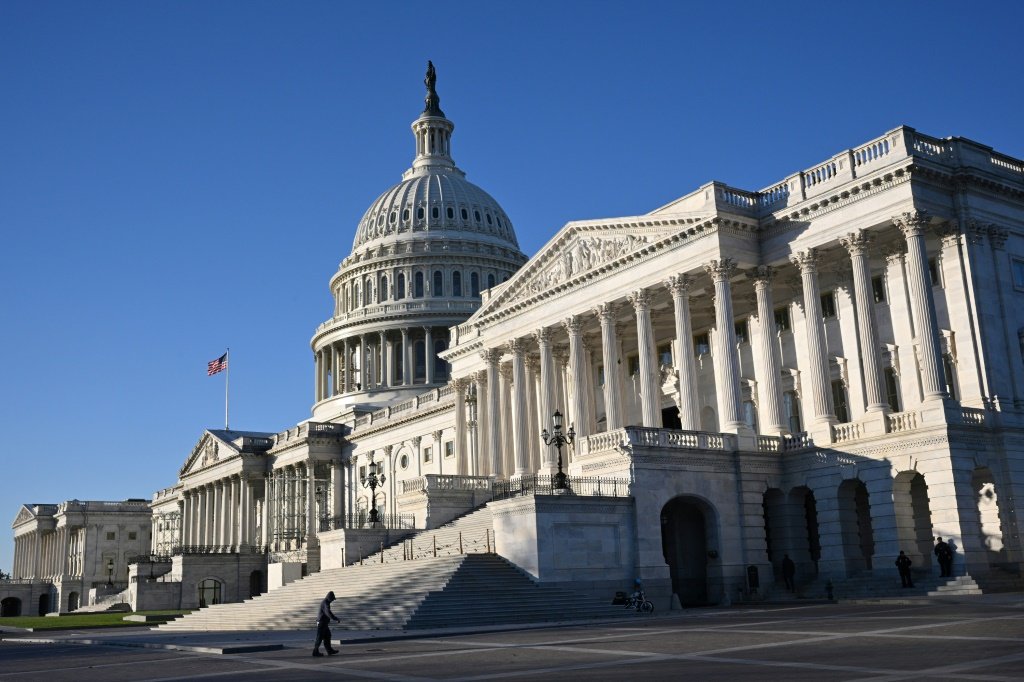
(438, 288)
(451, 213)
(405, 216)
(418, 286)
(499, 222)
(488, 218)
(474, 285)
(465, 214)
(384, 287)
(380, 219)
(400, 286)
(490, 281)
(477, 214)
(419, 213)
(436, 212)
(457, 283)
(394, 216)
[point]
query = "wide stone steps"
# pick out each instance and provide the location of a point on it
(869, 586)
(472, 533)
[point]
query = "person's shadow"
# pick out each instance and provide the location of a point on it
(953, 547)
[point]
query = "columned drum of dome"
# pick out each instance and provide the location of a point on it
(423, 253)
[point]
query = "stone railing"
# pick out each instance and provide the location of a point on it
(307, 428)
(446, 482)
(639, 436)
(395, 308)
(843, 433)
(973, 416)
(796, 441)
(898, 422)
(435, 395)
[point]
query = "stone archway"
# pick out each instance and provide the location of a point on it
(10, 607)
(209, 592)
(913, 517)
(255, 583)
(688, 541)
(857, 535)
(73, 601)
(44, 604)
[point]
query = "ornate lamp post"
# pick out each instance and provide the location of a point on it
(471, 469)
(558, 439)
(110, 572)
(372, 481)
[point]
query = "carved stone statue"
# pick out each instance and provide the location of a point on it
(433, 102)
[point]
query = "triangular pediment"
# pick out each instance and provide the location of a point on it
(586, 247)
(208, 451)
(24, 515)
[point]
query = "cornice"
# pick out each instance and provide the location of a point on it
(360, 433)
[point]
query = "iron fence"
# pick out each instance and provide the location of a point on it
(361, 520)
(542, 484)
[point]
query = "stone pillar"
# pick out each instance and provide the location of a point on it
(244, 538)
(459, 388)
(547, 395)
(337, 492)
(222, 512)
(650, 391)
(726, 363)
(520, 417)
(407, 361)
(532, 423)
(610, 355)
(491, 358)
(507, 420)
(821, 387)
(483, 438)
(311, 529)
(867, 327)
(335, 370)
(686, 365)
(428, 355)
(913, 225)
(268, 496)
(578, 412)
(772, 419)
(385, 380)
(316, 376)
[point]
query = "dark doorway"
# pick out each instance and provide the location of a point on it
(44, 604)
(670, 418)
(684, 542)
(10, 607)
(855, 525)
(209, 593)
(913, 517)
(73, 601)
(255, 583)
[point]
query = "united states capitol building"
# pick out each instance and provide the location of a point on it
(829, 368)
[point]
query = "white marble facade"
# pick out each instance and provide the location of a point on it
(830, 367)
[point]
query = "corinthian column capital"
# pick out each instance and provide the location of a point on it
(459, 385)
(640, 299)
(720, 270)
(911, 223)
(517, 346)
(606, 312)
(806, 260)
(856, 243)
(679, 285)
(490, 356)
(573, 324)
(762, 276)
(542, 336)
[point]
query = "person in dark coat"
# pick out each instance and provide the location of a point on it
(903, 564)
(788, 572)
(945, 556)
(323, 633)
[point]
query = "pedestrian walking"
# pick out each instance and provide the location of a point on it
(788, 572)
(945, 556)
(323, 633)
(903, 564)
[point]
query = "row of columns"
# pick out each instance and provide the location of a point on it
(219, 514)
(47, 555)
(370, 360)
(727, 372)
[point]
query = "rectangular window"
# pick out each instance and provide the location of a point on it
(782, 322)
(702, 344)
(950, 375)
(634, 365)
(1018, 274)
(828, 305)
(791, 403)
(892, 390)
(839, 402)
(111, 536)
(362, 474)
(449, 449)
(428, 454)
(933, 272)
(878, 289)
(600, 375)
(665, 355)
(132, 535)
(742, 336)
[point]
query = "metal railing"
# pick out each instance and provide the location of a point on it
(542, 484)
(361, 521)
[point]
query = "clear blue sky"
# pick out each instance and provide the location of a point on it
(178, 177)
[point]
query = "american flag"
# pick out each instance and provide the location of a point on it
(218, 365)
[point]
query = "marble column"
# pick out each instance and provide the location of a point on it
(459, 388)
(520, 417)
(578, 412)
(335, 370)
(385, 380)
(821, 386)
(610, 356)
(727, 369)
(428, 354)
(769, 376)
(913, 225)
(491, 358)
(547, 395)
(337, 493)
(245, 516)
(508, 419)
(483, 438)
(856, 243)
(532, 423)
(686, 365)
(311, 529)
(346, 380)
(650, 391)
(407, 362)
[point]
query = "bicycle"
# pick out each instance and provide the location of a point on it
(639, 602)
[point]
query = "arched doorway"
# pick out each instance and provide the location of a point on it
(687, 534)
(209, 592)
(73, 601)
(10, 607)
(255, 583)
(855, 525)
(44, 604)
(913, 517)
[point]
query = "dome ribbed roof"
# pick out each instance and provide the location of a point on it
(433, 201)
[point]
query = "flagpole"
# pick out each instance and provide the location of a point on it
(227, 380)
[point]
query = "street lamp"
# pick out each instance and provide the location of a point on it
(110, 572)
(558, 439)
(471, 404)
(372, 481)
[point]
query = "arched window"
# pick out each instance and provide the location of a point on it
(419, 213)
(418, 286)
(383, 287)
(490, 281)
(435, 212)
(368, 291)
(474, 284)
(357, 300)
(438, 288)
(465, 214)
(419, 365)
(791, 406)
(451, 213)
(405, 216)
(476, 214)
(456, 283)
(400, 286)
